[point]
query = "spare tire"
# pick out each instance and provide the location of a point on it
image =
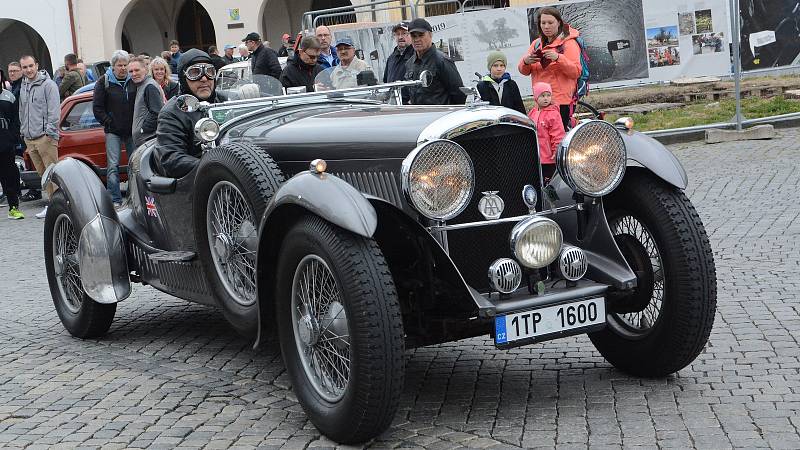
(234, 184)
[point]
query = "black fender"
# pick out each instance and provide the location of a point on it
(644, 151)
(323, 195)
(101, 244)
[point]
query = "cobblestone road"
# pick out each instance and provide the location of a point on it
(173, 374)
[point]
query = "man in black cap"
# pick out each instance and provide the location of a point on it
(263, 60)
(444, 87)
(396, 63)
(177, 153)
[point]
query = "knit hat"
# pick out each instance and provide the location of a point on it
(540, 88)
(494, 57)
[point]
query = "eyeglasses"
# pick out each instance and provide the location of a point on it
(197, 71)
(311, 54)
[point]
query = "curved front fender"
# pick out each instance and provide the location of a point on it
(101, 250)
(328, 197)
(644, 151)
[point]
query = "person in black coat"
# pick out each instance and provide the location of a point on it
(303, 67)
(263, 60)
(396, 62)
(498, 88)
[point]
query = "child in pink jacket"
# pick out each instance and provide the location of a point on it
(549, 127)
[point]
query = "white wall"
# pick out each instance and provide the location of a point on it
(50, 18)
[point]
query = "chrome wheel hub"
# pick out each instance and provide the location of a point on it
(321, 328)
(65, 264)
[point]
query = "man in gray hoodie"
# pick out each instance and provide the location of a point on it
(39, 110)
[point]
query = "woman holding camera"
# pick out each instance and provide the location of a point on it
(554, 58)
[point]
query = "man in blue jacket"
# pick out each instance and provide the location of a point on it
(113, 104)
(327, 56)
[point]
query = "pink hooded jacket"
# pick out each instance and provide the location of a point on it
(549, 126)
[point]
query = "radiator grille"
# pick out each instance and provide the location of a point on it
(385, 185)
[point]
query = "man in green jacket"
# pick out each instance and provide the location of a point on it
(72, 79)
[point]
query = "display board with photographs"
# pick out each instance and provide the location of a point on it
(770, 35)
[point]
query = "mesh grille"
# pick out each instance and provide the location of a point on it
(505, 160)
(384, 185)
(597, 156)
(572, 263)
(440, 180)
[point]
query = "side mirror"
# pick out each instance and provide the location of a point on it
(426, 78)
(188, 103)
(296, 90)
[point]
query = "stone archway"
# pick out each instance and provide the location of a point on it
(19, 39)
(149, 25)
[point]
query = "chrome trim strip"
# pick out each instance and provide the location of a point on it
(466, 120)
(486, 223)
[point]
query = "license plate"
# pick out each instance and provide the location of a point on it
(549, 320)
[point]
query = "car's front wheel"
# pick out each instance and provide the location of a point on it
(662, 325)
(341, 332)
(234, 183)
(80, 315)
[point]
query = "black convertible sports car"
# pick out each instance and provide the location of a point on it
(359, 228)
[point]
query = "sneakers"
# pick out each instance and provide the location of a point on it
(31, 195)
(15, 214)
(42, 214)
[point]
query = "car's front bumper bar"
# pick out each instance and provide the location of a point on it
(490, 305)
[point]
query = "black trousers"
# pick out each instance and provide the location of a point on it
(9, 177)
(565, 115)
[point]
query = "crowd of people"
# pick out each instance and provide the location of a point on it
(135, 99)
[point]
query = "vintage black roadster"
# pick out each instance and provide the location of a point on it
(354, 228)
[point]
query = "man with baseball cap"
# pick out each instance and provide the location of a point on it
(228, 56)
(263, 60)
(345, 74)
(396, 63)
(444, 87)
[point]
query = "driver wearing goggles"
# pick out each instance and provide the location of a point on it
(177, 153)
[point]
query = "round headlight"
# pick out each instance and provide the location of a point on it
(592, 158)
(206, 129)
(438, 179)
(536, 242)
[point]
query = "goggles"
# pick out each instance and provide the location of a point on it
(196, 71)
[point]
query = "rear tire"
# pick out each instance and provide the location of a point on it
(665, 323)
(81, 316)
(344, 352)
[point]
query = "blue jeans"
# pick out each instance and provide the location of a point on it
(113, 155)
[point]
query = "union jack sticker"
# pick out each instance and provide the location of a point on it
(151, 206)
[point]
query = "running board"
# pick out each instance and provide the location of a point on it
(174, 256)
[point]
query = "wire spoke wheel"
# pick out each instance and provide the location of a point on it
(65, 262)
(233, 236)
(642, 253)
(321, 329)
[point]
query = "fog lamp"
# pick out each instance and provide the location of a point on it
(536, 242)
(206, 129)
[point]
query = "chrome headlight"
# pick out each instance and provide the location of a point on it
(536, 242)
(206, 129)
(592, 158)
(438, 179)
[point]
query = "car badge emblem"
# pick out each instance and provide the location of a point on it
(529, 196)
(491, 205)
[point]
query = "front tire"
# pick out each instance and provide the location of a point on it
(340, 328)
(234, 183)
(81, 316)
(665, 323)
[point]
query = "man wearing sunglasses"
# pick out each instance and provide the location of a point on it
(177, 150)
(301, 68)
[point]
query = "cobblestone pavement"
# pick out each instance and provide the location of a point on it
(173, 374)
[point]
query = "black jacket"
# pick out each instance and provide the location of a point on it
(283, 51)
(218, 61)
(113, 105)
(264, 61)
(297, 73)
(396, 64)
(173, 89)
(511, 96)
(444, 84)
(9, 121)
(177, 150)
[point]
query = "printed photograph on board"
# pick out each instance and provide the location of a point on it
(704, 23)
(662, 36)
(664, 56)
(686, 23)
(612, 30)
(703, 44)
(769, 36)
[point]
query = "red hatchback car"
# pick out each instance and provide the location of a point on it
(81, 137)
